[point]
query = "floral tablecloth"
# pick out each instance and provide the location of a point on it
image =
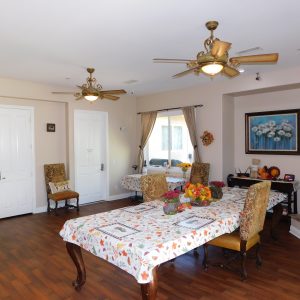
(133, 182)
(138, 238)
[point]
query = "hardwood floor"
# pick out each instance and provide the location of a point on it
(34, 264)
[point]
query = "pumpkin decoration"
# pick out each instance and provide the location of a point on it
(274, 172)
(263, 173)
(268, 173)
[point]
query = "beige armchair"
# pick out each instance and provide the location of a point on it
(251, 224)
(55, 176)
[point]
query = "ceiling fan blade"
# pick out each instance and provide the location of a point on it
(172, 60)
(185, 72)
(255, 59)
(219, 48)
(79, 98)
(113, 92)
(230, 72)
(110, 97)
(63, 93)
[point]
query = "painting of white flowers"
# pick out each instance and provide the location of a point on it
(275, 132)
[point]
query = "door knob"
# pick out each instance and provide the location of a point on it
(102, 167)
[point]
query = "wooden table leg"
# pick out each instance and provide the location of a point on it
(75, 253)
(277, 213)
(149, 290)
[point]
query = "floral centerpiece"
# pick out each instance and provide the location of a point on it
(184, 167)
(171, 202)
(216, 189)
(198, 193)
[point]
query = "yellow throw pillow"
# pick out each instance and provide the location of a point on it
(61, 186)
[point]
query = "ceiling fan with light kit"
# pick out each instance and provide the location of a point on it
(92, 91)
(216, 60)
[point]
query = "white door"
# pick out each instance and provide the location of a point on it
(90, 138)
(16, 161)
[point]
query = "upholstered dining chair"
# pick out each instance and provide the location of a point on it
(57, 186)
(153, 186)
(200, 173)
(252, 220)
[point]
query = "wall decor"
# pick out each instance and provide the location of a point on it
(207, 138)
(273, 132)
(50, 127)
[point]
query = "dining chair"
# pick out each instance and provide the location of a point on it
(153, 186)
(57, 186)
(252, 220)
(200, 173)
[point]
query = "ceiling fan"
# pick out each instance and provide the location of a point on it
(215, 59)
(92, 91)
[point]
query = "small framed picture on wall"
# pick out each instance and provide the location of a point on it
(289, 177)
(50, 127)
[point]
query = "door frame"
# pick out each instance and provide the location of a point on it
(32, 140)
(106, 147)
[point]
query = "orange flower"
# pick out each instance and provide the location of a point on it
(145, 275)
(101, 242)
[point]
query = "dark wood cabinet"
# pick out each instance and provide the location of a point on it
(281, 186)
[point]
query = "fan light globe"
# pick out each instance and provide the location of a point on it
(212, 69)
(91, 98)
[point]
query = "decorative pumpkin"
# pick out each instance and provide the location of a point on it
(274, 172)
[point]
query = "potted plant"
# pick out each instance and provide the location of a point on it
(171, 202)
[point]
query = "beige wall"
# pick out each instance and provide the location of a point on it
(214, 116)
(58, 146)
(281, 100)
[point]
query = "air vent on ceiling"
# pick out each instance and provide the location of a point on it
(131, 81)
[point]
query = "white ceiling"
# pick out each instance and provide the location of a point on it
(48, 41)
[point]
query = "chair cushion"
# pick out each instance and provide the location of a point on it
(232, 241)
(65, 195)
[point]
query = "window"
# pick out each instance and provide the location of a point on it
(169, 142)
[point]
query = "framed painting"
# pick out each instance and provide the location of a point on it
(273, 132)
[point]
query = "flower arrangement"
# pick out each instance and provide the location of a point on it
(184, 166)
(171, 196)
(217, 183)
(171, 202)
(198, 193)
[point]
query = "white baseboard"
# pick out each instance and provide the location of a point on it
(43, 209)
(294, 231)
(120, 196)
(40, 209)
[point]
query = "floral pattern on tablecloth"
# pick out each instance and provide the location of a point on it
(154, 237)
(133, 182)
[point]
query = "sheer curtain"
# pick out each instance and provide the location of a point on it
(190, 120)
(148, 120)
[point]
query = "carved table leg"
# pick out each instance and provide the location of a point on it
(277, 213)
(149, 290)
(75, 253)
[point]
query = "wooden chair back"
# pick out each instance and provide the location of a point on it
(54, 173)
(254, 212)
(153, 186)
(200, 173)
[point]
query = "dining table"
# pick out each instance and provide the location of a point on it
(139, 238)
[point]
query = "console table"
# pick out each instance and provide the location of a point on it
(288, 187)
